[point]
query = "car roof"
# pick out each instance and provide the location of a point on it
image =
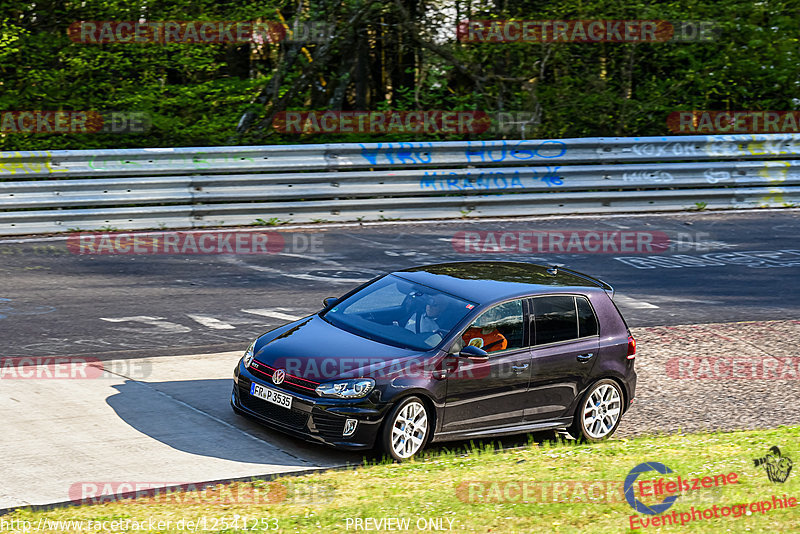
(484, 282)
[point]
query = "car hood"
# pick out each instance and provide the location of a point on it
(314, 349)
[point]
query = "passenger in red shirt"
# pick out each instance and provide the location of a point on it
(484, 333)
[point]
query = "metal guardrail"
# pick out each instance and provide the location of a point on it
(58, 191)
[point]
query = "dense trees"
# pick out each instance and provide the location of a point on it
(389, 55)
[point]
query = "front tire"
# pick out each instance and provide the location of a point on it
(406, 430)
(599, 412)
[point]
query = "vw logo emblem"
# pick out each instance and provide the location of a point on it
(278, 376)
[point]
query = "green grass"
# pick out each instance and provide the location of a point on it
(428, 488)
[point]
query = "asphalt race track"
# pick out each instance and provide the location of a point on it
(168, 330)
(55, 302)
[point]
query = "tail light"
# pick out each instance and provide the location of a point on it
(631, 347)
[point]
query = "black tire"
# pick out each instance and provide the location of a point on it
(392, 419)
(598, 430)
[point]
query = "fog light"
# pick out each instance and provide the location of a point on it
(349, 427)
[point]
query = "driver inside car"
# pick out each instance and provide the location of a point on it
(483, 333)
(427, 322)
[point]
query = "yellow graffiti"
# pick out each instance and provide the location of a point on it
(773, 173)
(756, 148)
(26, 163)
(771, 147)
(775, 198)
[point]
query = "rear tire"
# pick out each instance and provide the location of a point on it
(406, 430)
(599, 412)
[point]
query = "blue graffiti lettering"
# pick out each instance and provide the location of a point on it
(479, 180)
(496, 151)
(405, 153)
(550, 177)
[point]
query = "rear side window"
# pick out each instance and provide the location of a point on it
(561, 318)
(555, 319)
(587, 321)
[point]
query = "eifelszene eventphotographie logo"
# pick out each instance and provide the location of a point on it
(630, 496)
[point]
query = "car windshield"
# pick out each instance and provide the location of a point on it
(398, 312)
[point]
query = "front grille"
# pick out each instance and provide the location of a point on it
(290, 418)
(328, 425)
(290, 383)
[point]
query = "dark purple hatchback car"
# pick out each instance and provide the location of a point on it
(441, 352)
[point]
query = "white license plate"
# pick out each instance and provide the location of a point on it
(270, 395)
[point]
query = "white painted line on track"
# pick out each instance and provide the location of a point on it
(211, 322)
(300, 276)
(163, 326)
(274, 314)
(628, 302)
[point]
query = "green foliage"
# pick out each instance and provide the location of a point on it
(272, 221)
(390, 56)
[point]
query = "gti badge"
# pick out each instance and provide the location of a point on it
(278, 376)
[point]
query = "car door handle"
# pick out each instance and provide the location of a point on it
(583, 358)
(519, 368)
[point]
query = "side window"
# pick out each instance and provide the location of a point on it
(498, 328)
(587, 321)
(555, 319)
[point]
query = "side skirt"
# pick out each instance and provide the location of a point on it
(522, 428)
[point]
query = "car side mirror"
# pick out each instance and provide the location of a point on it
(329, 302)
(474, 354)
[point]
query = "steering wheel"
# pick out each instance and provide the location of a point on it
(440, 332)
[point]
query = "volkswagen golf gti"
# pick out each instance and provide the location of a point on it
(462, 350)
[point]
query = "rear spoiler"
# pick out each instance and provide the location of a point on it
(599, 283)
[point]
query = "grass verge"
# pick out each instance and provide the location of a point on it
(553, 485)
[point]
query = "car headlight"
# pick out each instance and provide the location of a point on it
(346, 389)
(249, 354)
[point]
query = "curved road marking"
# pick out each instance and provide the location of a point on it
(304, 276)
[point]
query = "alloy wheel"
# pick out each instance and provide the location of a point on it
(409, 430)
(601, 411)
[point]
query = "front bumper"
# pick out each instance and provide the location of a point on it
(314, 419)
